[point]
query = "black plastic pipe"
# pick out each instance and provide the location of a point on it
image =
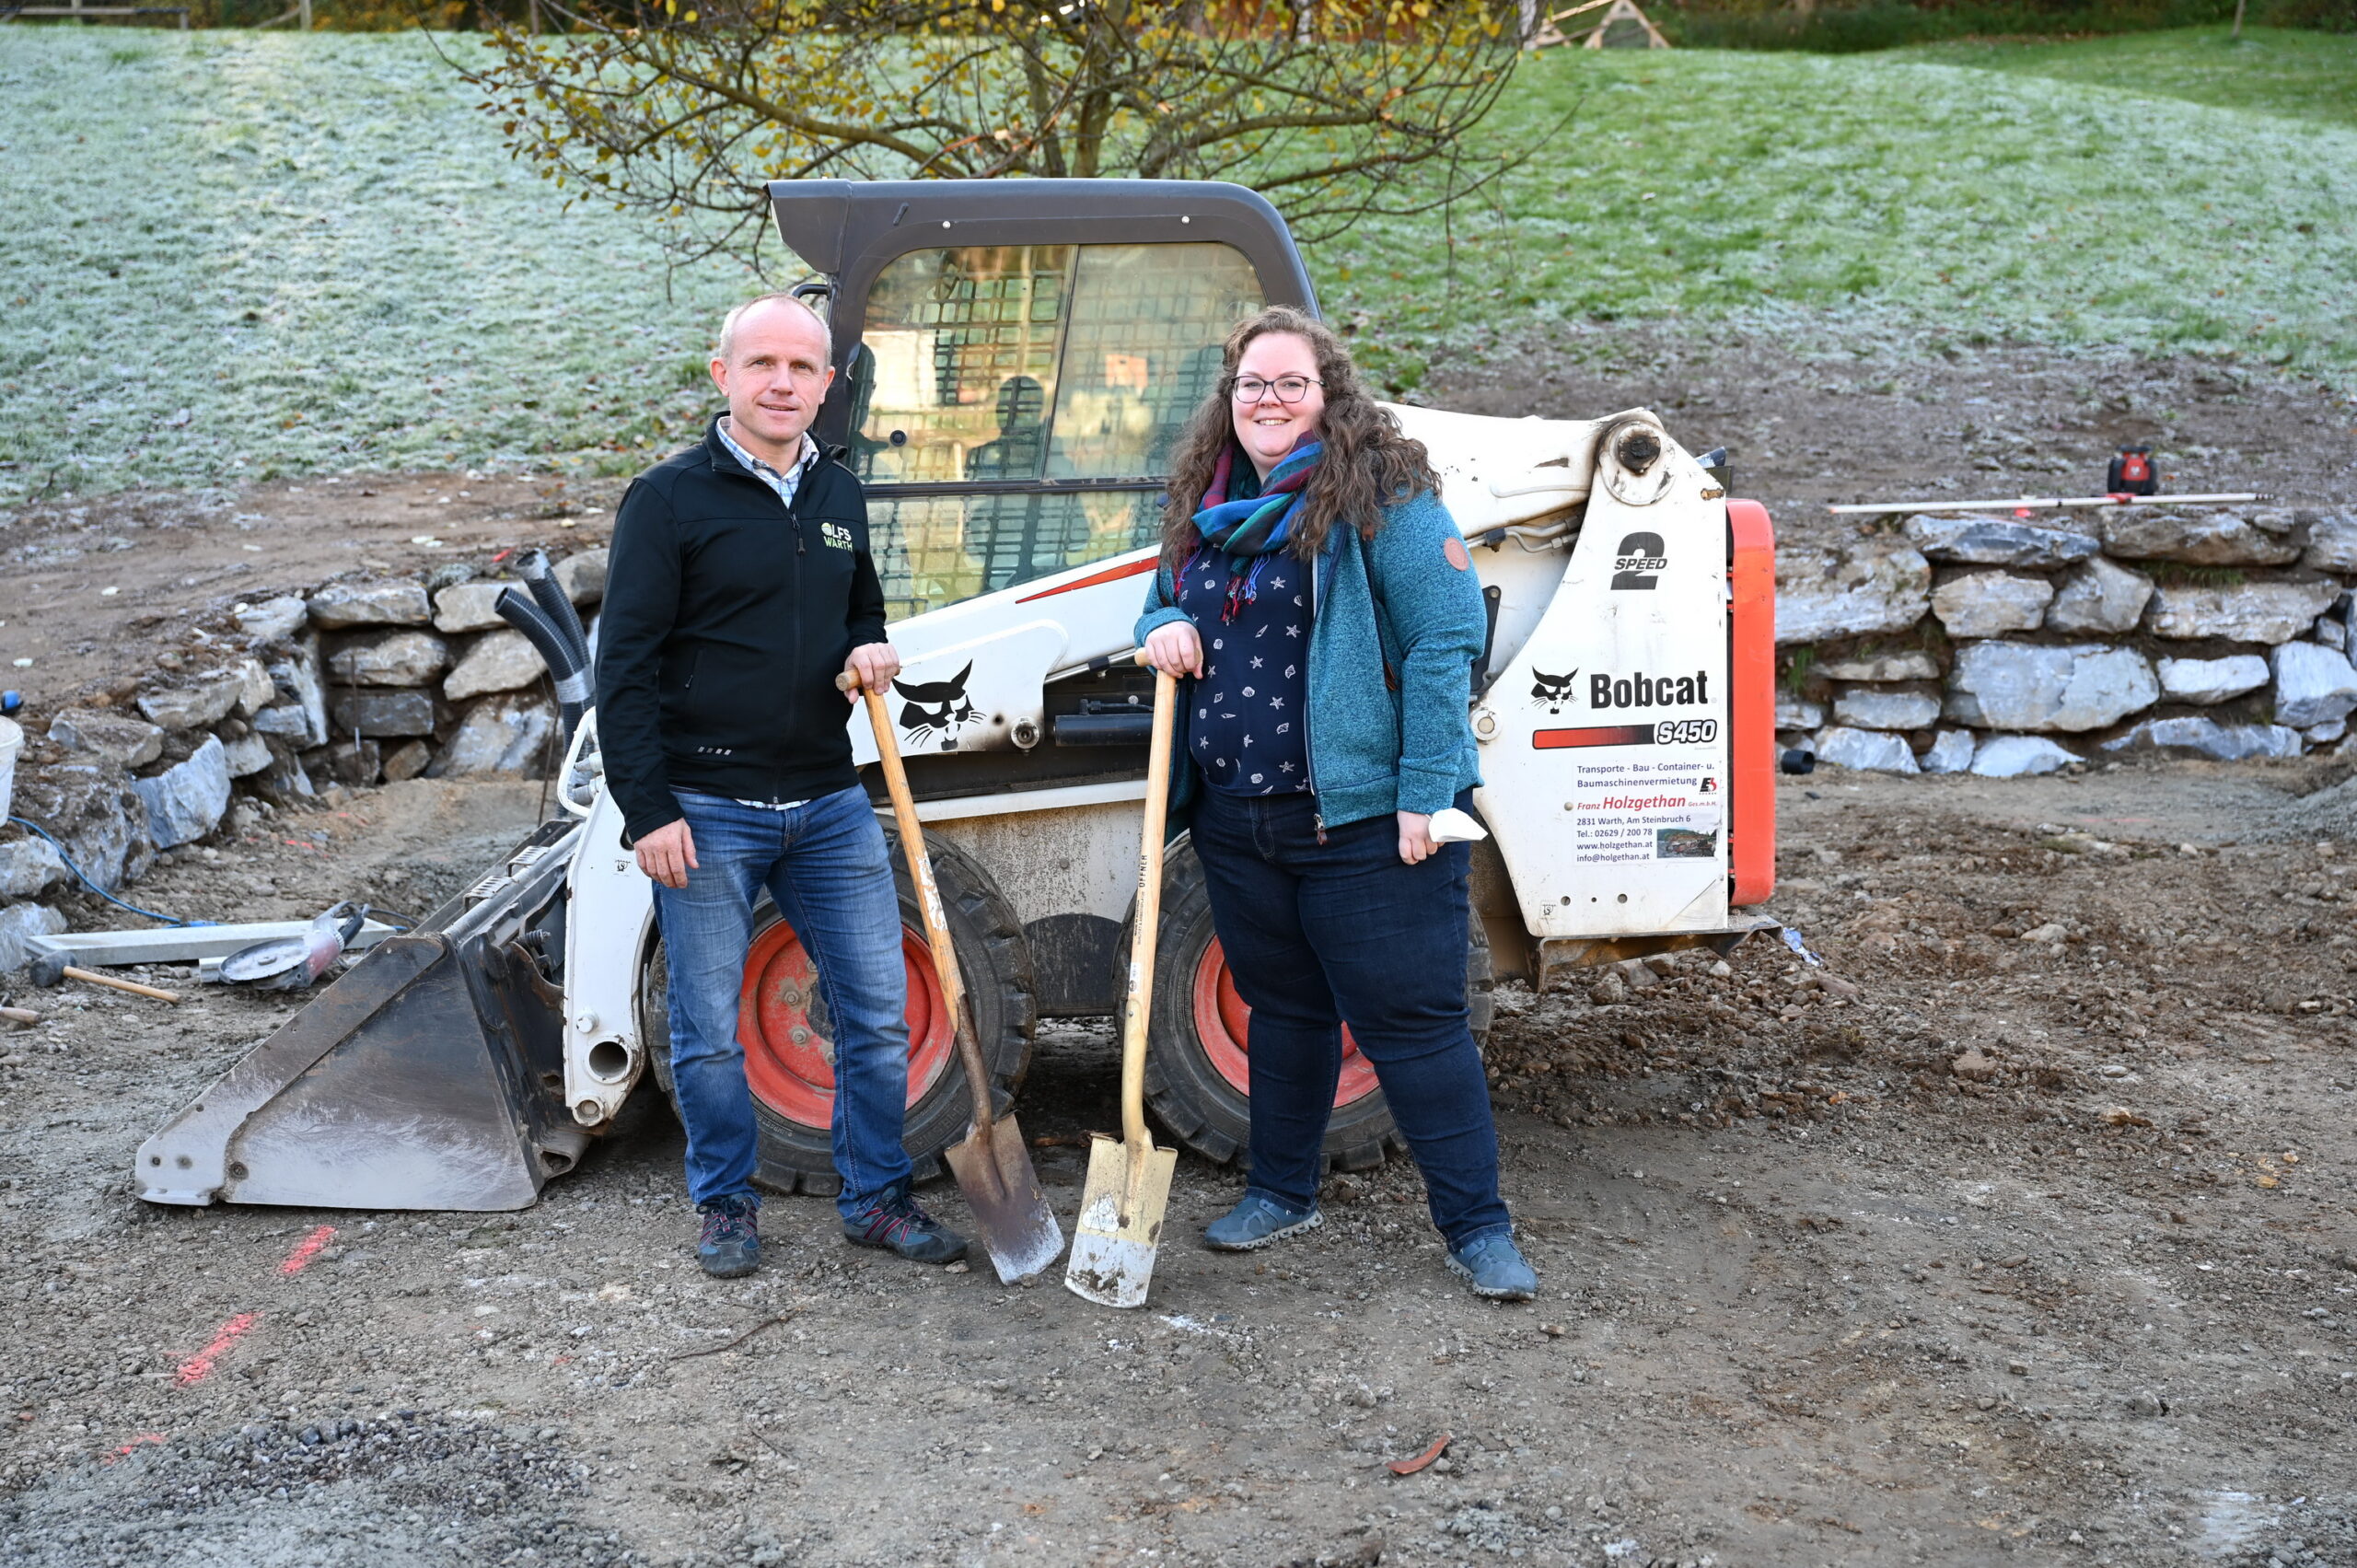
(538, 576)
(568, 666)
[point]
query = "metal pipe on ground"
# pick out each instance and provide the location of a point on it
(2047, 503)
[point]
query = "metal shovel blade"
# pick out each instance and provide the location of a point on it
(994, 1176)
(1120, 1222)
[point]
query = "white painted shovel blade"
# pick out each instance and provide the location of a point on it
(1111, 1270)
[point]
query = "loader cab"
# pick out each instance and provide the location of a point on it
(1019, 358)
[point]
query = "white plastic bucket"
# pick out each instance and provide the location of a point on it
(12, 740)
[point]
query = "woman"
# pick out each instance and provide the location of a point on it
(1322, 600)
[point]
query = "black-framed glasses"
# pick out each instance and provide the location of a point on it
(1289, 388)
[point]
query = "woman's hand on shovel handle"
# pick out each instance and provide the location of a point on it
(870, 667)
(1174, 649)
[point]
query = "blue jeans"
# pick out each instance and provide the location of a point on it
(1317, 936)
(825, 863)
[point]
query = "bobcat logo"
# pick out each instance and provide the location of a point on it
(937, 707)
(1551, 691)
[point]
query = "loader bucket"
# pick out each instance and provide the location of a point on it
(430, 1076)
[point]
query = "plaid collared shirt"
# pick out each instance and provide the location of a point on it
(785, 484)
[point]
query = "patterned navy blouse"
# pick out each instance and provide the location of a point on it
(1247, 727)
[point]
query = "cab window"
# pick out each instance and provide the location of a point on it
(1034, 393)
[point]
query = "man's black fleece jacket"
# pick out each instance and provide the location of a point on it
(727, 618)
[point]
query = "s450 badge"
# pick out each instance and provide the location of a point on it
(1668, 732)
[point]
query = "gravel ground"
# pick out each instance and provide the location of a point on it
(2023, 1230)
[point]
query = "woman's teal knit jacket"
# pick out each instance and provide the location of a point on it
(1396, 628)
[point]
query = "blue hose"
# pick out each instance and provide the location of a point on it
(101, 893)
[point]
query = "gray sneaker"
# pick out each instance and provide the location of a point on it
(730, 1245)
(895, 1224)
(1255, 1223)
(1493, 1266)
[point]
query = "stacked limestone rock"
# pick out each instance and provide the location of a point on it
(2010, 647)
(359, 681)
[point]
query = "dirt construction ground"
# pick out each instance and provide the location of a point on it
(2021, 1230)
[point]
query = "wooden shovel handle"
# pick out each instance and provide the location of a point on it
(936, 922)
(1148, 920)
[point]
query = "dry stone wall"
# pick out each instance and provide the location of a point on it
(273, 703)
(2002, 646)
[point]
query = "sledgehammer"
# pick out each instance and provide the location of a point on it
(49, 968)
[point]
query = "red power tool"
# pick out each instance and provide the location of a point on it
(2133, 473)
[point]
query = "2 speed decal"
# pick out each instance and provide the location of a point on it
(1639, 561)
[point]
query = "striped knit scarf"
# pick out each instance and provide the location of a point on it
(1251, 530)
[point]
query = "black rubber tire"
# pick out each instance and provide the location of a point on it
(1185, 1092)
(995, 963)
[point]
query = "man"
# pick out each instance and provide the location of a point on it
(741, 584)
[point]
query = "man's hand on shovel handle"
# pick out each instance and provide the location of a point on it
(668, 853)
(870, 667)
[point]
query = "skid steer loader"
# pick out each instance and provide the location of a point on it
(1017, 359)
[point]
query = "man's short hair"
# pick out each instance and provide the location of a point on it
(728, 323)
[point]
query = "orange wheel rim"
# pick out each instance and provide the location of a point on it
(788, 1063)
(1224, 1023)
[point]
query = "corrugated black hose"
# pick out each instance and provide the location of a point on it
(555, 602)
(567, 660)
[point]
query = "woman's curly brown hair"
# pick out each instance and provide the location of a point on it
(1366, 462)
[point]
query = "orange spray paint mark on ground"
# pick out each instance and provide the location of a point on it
(198, 1367)
(122, 1450)
(307, 1250)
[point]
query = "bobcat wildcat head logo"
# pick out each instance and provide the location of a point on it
(937, 707)
(1551, 691)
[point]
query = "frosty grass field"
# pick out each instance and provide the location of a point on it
(237, 255)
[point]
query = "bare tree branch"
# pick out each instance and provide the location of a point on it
(685, 109)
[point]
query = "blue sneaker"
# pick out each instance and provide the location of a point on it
(895, 1224)
(730, 1247)
(1255, 1223)
(1493, 1266)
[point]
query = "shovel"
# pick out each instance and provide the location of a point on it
(992, 1166)
(1129, 1181)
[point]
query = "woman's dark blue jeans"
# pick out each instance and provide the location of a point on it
(1318, 936)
